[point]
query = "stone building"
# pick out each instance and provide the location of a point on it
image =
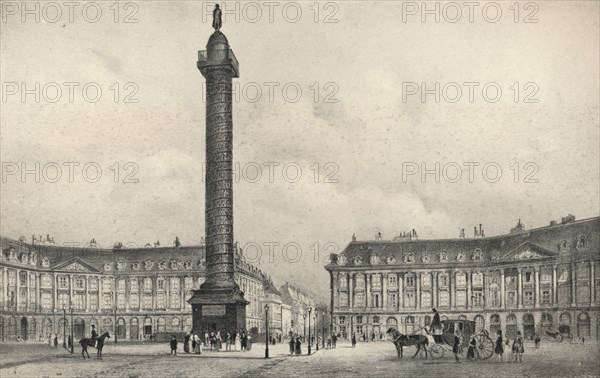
(297, 302)
(530, 280)
(142, 291)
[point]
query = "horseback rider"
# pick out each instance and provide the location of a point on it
(94, 337)
(436, 325)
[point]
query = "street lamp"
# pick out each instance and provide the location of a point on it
(316, 328)
(72, 330)
(116, 325)
(266, 331)
(304, 328)
(323, 327)
(309, 312)
(64, 327)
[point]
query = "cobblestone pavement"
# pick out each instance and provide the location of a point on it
(367, 359)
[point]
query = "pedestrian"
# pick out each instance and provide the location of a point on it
(198, 348)
(517, 348)
(234, 340)
(537, 341)
(292, 346)
(238, 341)
(244, 341)
(353, 340)
(206, 338)
(218, 337)
(69, 341)
(228, 342)
(194, 343)
(174, 345)
(334, 340)
(55, 340)
(456, 347)
(298, 346)
(583, 339)
(471, 350)
(499, 349)
(186, 343)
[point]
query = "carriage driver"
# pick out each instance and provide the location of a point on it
(436, 326)
(94, 336)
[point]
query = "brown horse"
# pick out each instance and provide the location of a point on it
(400, 341)
(85, 342)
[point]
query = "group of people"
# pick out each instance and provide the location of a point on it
(472, 353)
(234, 341)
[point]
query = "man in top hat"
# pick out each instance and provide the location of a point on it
(436, 325)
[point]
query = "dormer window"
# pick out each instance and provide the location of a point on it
(409, 258)
(443, 256)
(581, 242)
(477, 255)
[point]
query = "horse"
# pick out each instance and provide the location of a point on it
(400, 340)
(99, 345)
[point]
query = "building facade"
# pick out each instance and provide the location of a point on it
(529, 280)
(132, 293)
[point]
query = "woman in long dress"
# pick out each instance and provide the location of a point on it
(237, 342)
(499, 349)
(298, 346)
(198, 348)
(186, 343)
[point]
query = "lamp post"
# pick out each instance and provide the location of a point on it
(304, 328)
(266, 331)
(64, 327)
(316, 329)
(116, 325)
(72, 330)
(309, 312)
(323, 327)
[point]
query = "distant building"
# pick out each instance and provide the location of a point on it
(297, 302)
(143, 290)
(544, 279)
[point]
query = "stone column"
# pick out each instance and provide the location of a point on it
(452, 283)
(520, 289)
(502, 290)
(434, 280)
(368, 290)
(400, 291)
(18, 296)
(384, 290)
(5, 287)
(537, 286)
(350, 290)
(554, 286)
(28, 306)
(469, 301)
(70, 290)
(592, 284)
(573, 286)
(38, 295)
(55, 307)
(418, 293)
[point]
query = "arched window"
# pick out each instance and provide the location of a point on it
(161, 325)
(175, 325)
(479, 323)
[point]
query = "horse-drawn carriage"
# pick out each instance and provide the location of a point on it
(465, 328)
(564, 332)
(443, 340)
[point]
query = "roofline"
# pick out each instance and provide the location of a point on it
(473, 239)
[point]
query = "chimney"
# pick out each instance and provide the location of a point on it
(480, 230)
(474, 231)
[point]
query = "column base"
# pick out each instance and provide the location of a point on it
(218, 309)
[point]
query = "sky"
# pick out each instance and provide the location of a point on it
(335, 104)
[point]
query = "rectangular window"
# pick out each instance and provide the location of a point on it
(93, 302)
(359, 299)
(511, 298)
(478, 279)
(93, 284)
(376, 280)
(46, 280)
(528, 277)
(392, 280)
(23, 279)
(79, 283)
(46, 301)
(444, 298)
(160, 301)
(343, 300)
(63, 300)
(189, 283)
(478, 298)
(79, 302)
(160, 284)
(134, 301)
(546, 275)
(147, 301)
(121, 285)
(409, 299)
(426, 280)
(461, 279)
(133, 284)
(62, 282)
(107, 301)
(494, 298)
(342, 281)
(393, 300)
(174, 300)
(359, 319)
(545, 297)
(563, 274)
(443, 280)
(461, 298)
(147, 284)
(174, 284)
(31, 280)
(410, 281)
(12, 278)
(121, 301)
(528, 297)
(425, 299)
(106, 284)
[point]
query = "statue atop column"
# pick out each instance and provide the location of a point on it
(217, 18)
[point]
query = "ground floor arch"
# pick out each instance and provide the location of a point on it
(583, 325)
(528, 326)
(479, 323)
(495, 324)
(511, 326)
(134, 329)
(79, 329)
(546, 323)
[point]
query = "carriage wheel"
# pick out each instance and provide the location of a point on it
(559, 338)
(436, 351)
(485, 346)
(570, 338)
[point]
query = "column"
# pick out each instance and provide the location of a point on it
(18, 296)
(502, 290)
(592, 284)
(71, 278)
(452, 276)
(5, 287)
(469, 301)
(537, 286)
(434, 288)
(38, 295)
(573, 289)
(28, 293)
(400, 291)
(520, 289)
(384, 290)
(350, 290)
(368, 288)
(554, 286)
(418, 293)
(55, 306)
